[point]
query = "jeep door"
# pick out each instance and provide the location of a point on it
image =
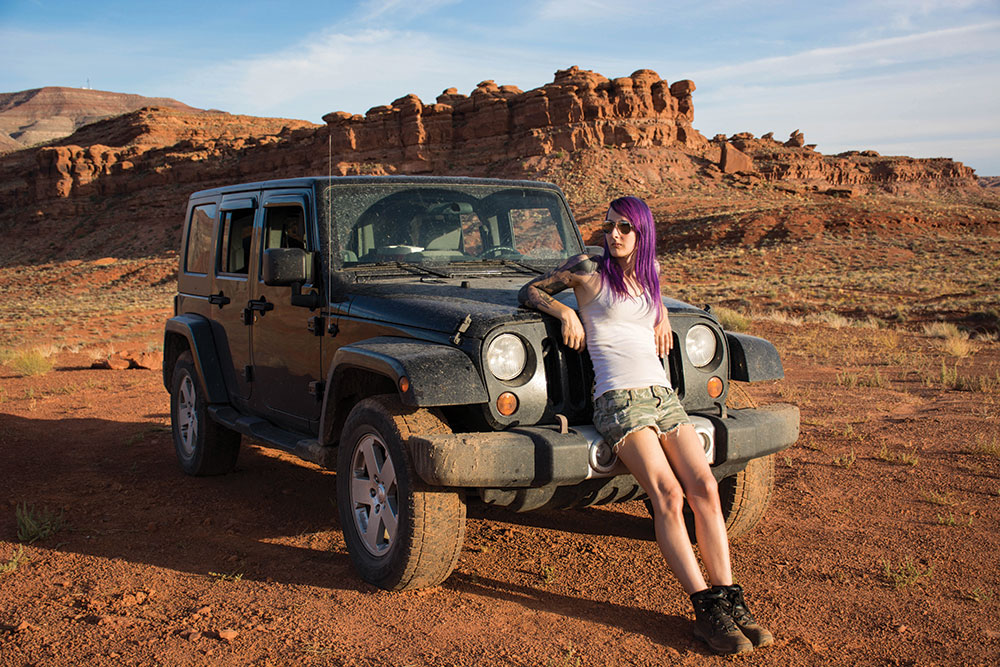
(286, 351)
(233, 264)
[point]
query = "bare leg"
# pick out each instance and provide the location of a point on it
(643, 455)
(687, 459)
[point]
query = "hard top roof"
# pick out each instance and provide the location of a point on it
(311, 181)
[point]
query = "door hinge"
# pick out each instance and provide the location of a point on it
(315, 325)
(316, 388)
(461, 329)
(248, 373)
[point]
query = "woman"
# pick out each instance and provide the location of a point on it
(626, 330)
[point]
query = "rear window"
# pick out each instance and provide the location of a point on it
(198, 254)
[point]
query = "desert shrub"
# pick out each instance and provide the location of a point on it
(904, 574)
(781, 317)
(15, 561)
(31, 362)
(958, 346)
(36, 524)
(943, 330)
(835, 320)
(731, 320)
(988, 444)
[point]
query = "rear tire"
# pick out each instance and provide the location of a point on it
(401, 534)
(203, 446)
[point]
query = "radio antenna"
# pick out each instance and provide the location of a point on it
(329, 218)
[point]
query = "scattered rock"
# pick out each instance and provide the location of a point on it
(734, 160)
(228, 635)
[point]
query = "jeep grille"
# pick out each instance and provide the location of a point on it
(570, 380)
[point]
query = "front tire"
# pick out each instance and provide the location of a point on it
(400, 533)
(746, 495)
(203, 447)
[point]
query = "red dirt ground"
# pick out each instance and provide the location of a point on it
(879, 548)
(155, 568)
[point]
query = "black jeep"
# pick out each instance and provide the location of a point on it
(371, 325)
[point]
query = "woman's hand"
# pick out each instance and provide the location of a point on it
(572, 330)
(663, 335)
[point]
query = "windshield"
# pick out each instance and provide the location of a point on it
(445, 223)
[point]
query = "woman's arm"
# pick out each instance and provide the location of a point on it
(661, 332)
(538, 293)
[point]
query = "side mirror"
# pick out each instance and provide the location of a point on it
(287, 266)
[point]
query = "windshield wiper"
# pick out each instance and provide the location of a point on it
(510, 262)
(416, 269)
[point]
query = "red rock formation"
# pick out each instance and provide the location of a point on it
(141, 166)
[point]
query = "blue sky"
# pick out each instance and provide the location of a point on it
(903, 77)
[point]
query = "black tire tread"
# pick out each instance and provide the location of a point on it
(746, 495)
(438, 529)
(220, 445)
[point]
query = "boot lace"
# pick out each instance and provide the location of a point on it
(739, 610)
(714, 609)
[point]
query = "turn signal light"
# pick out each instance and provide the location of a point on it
(404, 384)
(714, 387)
(507, 404)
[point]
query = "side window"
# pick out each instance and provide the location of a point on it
(285, 227)
(237, 232)
(198, 253)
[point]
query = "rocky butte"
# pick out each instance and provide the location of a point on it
(119, 185)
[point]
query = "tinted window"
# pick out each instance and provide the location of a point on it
(198, 254)
(237, 233)
(285, 227)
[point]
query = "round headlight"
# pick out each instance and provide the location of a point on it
(506, 356)
(700, 344)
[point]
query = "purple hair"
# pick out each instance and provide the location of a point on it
(641, 217)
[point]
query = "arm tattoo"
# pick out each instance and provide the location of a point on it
(539, 291)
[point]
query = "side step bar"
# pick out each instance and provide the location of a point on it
(278, 438)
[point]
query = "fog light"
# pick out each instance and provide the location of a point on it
(404, 384)
(507, 404)
(715, 387)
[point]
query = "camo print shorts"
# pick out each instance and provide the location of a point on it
(619, 412)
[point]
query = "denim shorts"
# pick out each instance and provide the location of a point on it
(619, 412)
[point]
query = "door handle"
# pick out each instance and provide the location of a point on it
(261, 306)
(219, 299)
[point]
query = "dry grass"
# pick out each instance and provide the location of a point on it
(830, 319)
(30, 362)
(987, 444)
(731, 320)
(942, 330)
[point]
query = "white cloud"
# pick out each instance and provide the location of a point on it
(397, 11)
(355, 71)
(917, 48)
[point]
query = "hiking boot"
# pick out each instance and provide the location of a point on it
(713, 624)
(741, 615)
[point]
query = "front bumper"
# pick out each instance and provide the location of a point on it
(536, 456)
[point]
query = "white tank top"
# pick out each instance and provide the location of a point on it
(621, 342)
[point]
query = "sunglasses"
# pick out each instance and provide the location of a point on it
(624, 227)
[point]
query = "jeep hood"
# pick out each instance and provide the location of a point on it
(442, 304)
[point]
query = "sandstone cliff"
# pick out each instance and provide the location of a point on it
(119, 185)
(47, 114)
